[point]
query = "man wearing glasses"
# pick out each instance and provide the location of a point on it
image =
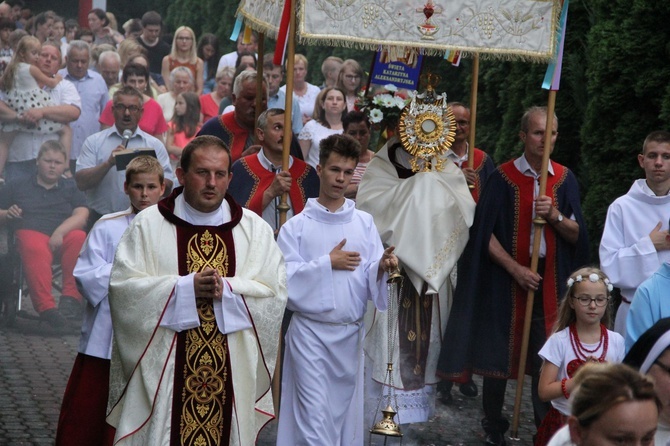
(97, 174)
(458, 152)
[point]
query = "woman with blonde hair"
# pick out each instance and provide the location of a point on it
(350, 80)
(650, 354)
(184, 54)
(128, 49)
(612, 404)
(305, 91)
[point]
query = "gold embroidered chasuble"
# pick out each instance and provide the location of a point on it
(143, 389)
(203, 392)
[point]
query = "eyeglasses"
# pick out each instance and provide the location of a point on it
(665, 368)
(586, 301)
(184, 38)
(351, 77)
(122, 108)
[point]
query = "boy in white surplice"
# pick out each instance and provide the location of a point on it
(335, 263)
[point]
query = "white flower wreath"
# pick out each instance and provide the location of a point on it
(593, 277)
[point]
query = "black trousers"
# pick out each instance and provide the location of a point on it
(493, 392)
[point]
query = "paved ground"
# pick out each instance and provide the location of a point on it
(35, 362)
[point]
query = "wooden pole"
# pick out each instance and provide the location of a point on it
(259, 78)
(288, 112)
(538, 223)
(283, 206)
(473, 113)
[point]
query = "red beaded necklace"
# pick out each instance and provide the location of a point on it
(582, 352)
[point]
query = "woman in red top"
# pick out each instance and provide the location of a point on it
(209, 103)
(152, 121)
(184, 54)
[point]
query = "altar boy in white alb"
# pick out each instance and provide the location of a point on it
(88, 386)
(335, 264)
(635, 240)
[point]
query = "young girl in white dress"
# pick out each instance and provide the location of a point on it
(20, 83)
(580, 336)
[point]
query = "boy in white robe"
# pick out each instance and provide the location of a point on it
(88, 387)
(335, 263)
(635, 239)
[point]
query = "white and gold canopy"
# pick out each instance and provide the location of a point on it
(510, 29)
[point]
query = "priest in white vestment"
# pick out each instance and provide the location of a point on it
(426, 216)
(335, 265)
(197, 294)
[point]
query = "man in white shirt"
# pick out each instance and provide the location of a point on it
(230, 59)
(92, 91)
(97, 174)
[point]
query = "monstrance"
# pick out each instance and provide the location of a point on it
(427, 128)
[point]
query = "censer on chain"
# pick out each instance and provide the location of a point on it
(387, 426)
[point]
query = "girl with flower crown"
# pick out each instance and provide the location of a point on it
(580, 336)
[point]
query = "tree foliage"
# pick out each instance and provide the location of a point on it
(627, 91)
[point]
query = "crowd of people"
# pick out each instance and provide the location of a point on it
(141, 161)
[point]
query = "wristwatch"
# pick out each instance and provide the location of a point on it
(559, 218)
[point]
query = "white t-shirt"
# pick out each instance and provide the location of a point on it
(315, 132)
(307, 100)
(26, 145)
(558, 351)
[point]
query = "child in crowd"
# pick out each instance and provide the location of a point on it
(184, 125)
(20, 83)
(580, 336)
(86, 393)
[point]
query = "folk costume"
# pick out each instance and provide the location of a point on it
(88, 387)
(627, 254)
(483, 165)
(254, 174)
(188, 370)
(486, 321)
(426, 216)
(322, 381)
(226, 128)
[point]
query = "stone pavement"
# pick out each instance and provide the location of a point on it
(35, 362)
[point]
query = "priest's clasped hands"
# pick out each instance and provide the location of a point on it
(208, 283)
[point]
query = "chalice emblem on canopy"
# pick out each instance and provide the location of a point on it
(427, 28)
